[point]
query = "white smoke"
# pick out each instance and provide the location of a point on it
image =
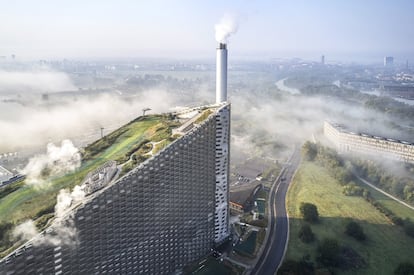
(34, 81)
(25, 231)
(227, 26)
(82, 118)
(64, 229)
(65, 199)
(56, 161)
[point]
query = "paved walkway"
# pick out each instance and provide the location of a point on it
(385, 193)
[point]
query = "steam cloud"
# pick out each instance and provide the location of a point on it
(34, 81)
(82, 118)
(56, 161)
(227, 26)
(64, 229)
(25, 230)
(65, 199)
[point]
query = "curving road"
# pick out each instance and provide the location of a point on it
(277, 241)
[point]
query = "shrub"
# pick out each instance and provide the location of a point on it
(309, 150)
(309, 212)
(302, 267)
(351, 189)
(404, 269)
(409, 228)
(354, 230)
(329, 252)
(305, 234)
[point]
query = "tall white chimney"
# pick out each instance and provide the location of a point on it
(221, 73)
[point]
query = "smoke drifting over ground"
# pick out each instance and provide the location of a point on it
(25, 230)
(268, 124)
(65, 199)
(56, 161)
(227, 26)
(64, 229)
(34, 81)
(33, 125)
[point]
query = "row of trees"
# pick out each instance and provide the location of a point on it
(316, 85)
(401, 185)
(343, 172)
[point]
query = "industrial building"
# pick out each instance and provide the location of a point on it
(388, 61)
(168, 211)
(5, 175)
(349, 142)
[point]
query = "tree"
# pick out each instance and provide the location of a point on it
(329, 252)
(291, 267)
(409, 227)
(351, 189)
(404, 269)
(309, 212)
(354, 230)
(309, 150)
(305, 234)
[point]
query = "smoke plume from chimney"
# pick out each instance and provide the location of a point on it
(227, 26)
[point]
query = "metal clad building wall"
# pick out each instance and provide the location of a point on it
(221, 230)
(155, 220)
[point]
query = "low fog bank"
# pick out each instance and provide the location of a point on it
(34, 81)
(265, 120)
(272, 123)
(35, 125)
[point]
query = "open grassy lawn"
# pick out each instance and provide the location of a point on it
(386, 245)
(397, 208)
(27, 201)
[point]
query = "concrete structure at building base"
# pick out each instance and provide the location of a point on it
(170, 210)
(381, 147)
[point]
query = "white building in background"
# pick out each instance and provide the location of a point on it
(350, 142)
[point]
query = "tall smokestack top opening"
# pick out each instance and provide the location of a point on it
(221, 73)
(222, 46)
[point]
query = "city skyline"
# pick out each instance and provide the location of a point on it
(349, 31)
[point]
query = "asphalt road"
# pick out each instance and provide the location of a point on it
(274, 250)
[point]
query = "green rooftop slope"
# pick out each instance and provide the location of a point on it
(129, 145)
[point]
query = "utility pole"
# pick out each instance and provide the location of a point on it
(145, 110)
(102, 132)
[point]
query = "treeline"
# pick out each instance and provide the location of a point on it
(321, 85)
(343, 172)
(400, 186)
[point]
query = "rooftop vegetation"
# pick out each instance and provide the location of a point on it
(129, 145)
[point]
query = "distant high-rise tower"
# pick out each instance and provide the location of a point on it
(388, 61)
(323, 60)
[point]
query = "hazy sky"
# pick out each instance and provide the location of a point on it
(180, 29)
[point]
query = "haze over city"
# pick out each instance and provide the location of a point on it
(348, 31)
(215, 137)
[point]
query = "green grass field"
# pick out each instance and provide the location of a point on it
(386, 246)
(27, 201)
(397, 208)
